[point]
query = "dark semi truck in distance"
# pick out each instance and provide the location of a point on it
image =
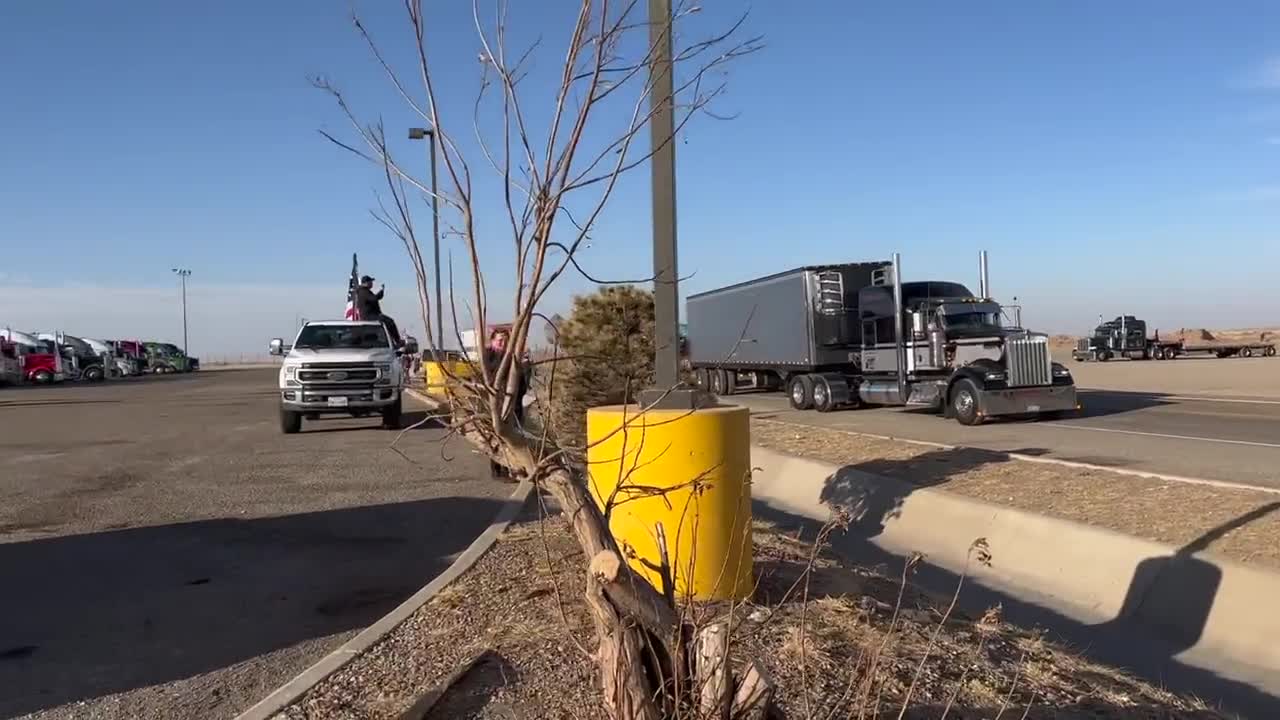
(841, 336)
(1126, 337)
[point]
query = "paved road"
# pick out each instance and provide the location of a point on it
(1236, 440)
(166, 552)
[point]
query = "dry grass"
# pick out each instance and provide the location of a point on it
(506, 609)
(1168, 512)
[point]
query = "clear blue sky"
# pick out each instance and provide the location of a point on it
(1111, 156)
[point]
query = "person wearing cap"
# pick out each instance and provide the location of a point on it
(369, 303)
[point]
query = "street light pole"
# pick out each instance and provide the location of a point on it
(667, 391)
(419, 134)
(184, 274)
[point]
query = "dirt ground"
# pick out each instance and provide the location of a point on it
(509, 640)
(1240, 524)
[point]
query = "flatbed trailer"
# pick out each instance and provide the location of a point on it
(1126, 337)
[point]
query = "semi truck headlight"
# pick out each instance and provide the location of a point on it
(1061, 372)
(995, 375)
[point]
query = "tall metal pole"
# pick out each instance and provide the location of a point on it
(666, 291)
(185, 351)
(430, 135)
(183, 273)
(435, 241)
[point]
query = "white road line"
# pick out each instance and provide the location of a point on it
(1166, 435)
(1048, 460)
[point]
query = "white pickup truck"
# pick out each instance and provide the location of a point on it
(340, 367)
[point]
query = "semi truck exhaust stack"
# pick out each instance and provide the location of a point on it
(984, 281)
(897, 327)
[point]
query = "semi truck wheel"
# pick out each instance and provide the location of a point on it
(42, 377)
(964, 402)
(93, 374)
(700, 377)
(729, 380)
(290, 421)
(1246, 352)
(822, 400)
(715, 381)
(391, 416)
(1270, 351)
(1104, 355)
(800, 392)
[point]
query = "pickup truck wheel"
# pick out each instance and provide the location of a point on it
(391, 417)
(964, 402)
(800, 392)
(290, 421)
(1270, 351)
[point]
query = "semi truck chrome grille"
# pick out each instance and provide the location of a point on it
(1028, 362)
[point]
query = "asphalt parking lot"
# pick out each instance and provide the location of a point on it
(167, 552)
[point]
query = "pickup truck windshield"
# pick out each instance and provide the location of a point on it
(360, 337)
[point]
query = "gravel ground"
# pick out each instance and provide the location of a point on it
(165, 552)
(1240, 524)
(816, 645)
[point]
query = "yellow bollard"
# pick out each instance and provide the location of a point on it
(435, 377)
(708, 532)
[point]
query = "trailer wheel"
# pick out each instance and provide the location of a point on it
(1246, 352)
(800, 392)
(964, 402)
(822, 399)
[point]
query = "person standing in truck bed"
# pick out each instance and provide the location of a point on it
(369, 303)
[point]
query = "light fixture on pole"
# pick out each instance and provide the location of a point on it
(184, 274)
(429, 134)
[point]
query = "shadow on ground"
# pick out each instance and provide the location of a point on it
(414, 420)
(86, 615)
(1167, 603)
(1097, 403)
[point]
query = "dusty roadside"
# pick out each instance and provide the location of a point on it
(1240, 524)
(847, 639)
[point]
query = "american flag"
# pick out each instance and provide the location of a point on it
(353, 313)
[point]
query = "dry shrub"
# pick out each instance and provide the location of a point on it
(606, 358)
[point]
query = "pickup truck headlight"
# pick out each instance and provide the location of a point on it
(384, 368)
(290, 371)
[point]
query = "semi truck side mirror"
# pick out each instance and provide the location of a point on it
(276, 347)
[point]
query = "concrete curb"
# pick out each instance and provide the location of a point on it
(290, 692)
(1219, 610)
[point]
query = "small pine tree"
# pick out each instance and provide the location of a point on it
(608, 345)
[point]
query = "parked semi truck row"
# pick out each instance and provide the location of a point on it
(1126, 337)
(851, 334)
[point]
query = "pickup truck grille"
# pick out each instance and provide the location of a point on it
(338, 374)
(1028, 362)
(355, 374)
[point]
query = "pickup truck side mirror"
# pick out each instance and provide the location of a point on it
(277, 346)
(410, 346)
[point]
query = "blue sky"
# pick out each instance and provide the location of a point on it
(1110, 156)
